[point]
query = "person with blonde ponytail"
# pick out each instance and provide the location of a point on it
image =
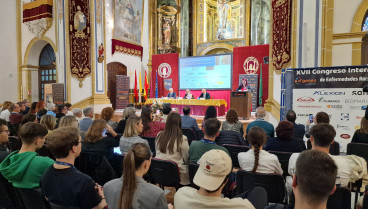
(131, 191)
(257, 159)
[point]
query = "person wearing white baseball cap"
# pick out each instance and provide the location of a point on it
(212, 175)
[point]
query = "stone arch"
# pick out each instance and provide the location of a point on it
(219, 48)
(359, 16)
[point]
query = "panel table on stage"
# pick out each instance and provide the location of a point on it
(198, 107)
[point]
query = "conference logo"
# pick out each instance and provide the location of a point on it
(305, 99)
(353, 101)
(358, 117)
(164, 70)
(346, 128)
(345, 136)
(327, 93)
(359, 93)
(306, 82)
(322, 99)
(344, 117)
(358, 107)
(335, 106)
(251, 65)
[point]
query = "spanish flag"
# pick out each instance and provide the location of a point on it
(145, 85)
(140, 87)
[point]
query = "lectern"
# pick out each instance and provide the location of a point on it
(241, 102)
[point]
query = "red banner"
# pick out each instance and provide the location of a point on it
(126, 48)
(166, 66)
(281, 27)
(37, 10)
(248, 60)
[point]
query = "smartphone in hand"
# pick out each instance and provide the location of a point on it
(311, 118)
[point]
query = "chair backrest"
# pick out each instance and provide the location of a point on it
(340, 199)
(117, 163)
(199, 134)
(32, 199)
(334, 147)
(273, 183)
(359, 149)
(54, 206)
(152, 145)
(96, 166)
(230, 137)
(9, 196)
(189, 133)
(234, 151)
(165, 173)
(14, 143)
(192, 169)
(257, 196)
(283, 159)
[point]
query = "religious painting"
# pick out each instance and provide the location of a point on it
(260, 22)
(128, 21)
(220, 20)
(167, 29)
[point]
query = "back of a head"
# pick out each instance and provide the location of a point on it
(133, 160)
(211, 112)
(30, 131)
(186, 110)
(146, 114)
(315, 176)
(50, 107)
(28, 118)
(48, 121)
(68, 105)
(211, 127)
(87, 111)
(61, 141)
(291, 116)
(107, 113)
(33, 105)
(128, 111)
(260, 112)
(130, 129)
(364, 126)
(40, 105)
(3, 123)
(76, 111)
(322, 117)
(68, 120)
(6, 105)
(60, 108)
(94, 132)
(323, 134)
(257, 136)
(166, 109)
(231, 116)
(171, 135)
(284, 130)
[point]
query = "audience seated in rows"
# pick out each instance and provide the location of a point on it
(172, 145)
(150, 128)
(15, 116)
(361, 135)
(260, 122)
(131, 191)
(5, 113)
(128, 111)
(49, 122)
(211, 131)
(133, 128)
(211, 112)
(98, 141)
(211, 177)
(188, 122)
(51, 107)
(71, 121)
(322, 136)
(285, 142)
(23, 168)
(62, 184)
(86, 122)
(40, 109)
(77, 112)
(4, 139)
(299, 129)
(166, 109)
(232, 122)
(107, 114)
(257, 159)
(313, 180)
(321, 117)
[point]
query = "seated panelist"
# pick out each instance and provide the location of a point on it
(171, 94)
(204, 94)
(244, 85)
(188, 95)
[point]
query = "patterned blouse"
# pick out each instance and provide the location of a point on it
(155, 127)
(238, 126)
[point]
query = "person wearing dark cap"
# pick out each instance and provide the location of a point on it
(361, 135)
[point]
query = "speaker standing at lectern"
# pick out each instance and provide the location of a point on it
(244, 85)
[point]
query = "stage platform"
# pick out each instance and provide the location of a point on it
(118, 115)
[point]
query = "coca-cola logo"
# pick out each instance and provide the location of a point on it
(305, 99)
(345, 136)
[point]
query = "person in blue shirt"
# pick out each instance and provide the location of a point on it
(260, 122)
(171, 94)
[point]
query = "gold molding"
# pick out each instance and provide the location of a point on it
(327, 32)
(19, 49)
(345, 43)
(273, 107)
(359, 34)
(359, 16)
(35, 40)
(97, 99)
(30, 66)
(216, 46)
(104, 35)
(93, 43)
(247, 22)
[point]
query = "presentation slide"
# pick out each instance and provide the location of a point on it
(209, 72)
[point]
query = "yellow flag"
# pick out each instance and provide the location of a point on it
(140, 86)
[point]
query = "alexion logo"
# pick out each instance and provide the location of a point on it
(345, 136)
(305, 99)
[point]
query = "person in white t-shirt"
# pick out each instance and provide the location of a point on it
(211, 177)
(257, 159)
